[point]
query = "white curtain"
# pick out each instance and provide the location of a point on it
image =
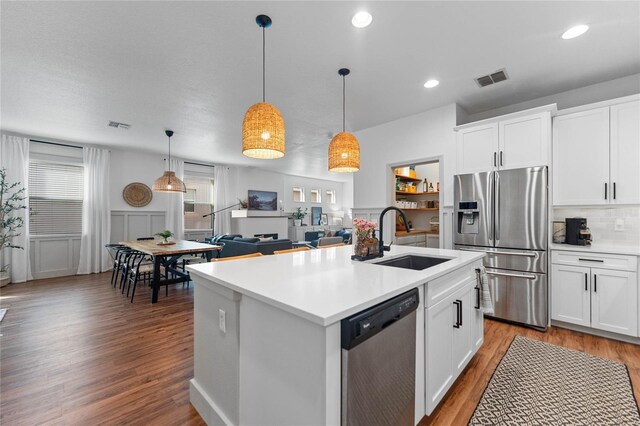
(174, 220)
(96, 215)
(14, 157)
(221, 199)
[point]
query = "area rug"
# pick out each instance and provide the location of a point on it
(537, 383)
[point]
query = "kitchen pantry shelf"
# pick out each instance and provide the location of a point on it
(408, 178)
(416, 193)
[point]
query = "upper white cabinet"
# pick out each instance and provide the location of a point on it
(581, 157)
(511, 142)
(596, 153)
(625, 152)
(477, 148)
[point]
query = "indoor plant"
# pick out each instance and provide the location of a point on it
(165, 235)
(298, 215)
(11, 200)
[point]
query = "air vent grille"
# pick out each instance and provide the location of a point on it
(118, 125)
(496, 77)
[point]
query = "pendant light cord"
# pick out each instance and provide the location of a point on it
(263, 66)
(343, 102)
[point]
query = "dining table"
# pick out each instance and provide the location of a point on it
(167, 255)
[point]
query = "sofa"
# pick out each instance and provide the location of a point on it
(238, 246)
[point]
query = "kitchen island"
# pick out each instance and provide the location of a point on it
(267, 346)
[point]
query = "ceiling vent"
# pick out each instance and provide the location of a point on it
(496, 77)
(119, 125)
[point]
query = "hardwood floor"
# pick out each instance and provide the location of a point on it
(75, 351)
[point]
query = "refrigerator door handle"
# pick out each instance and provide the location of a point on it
(496, 208)
(504, 274)
(510, 253)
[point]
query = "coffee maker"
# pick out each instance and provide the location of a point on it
(577, 232)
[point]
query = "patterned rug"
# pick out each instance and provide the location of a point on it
(537, 383)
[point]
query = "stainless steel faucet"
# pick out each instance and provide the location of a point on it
(382, 247)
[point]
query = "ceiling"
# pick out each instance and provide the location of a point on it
(67, 68)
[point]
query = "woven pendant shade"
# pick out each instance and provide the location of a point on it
(344, 153)
(169, 182)
(263, 132)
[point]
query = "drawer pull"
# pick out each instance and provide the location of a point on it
(503, 274)
(590, 260)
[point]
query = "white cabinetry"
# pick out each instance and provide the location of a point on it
(599, 291)
(596, 153)
(454, 331)
(511, 142)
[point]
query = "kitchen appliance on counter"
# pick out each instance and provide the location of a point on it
(378, 363)
(577, 231)
(504, 214)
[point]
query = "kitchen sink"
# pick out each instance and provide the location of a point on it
(417, 263)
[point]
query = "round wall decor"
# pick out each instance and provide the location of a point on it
(137, 194)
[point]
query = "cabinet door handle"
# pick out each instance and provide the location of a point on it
(586, 280)
(614, 190)
(501, 158)
(477, 298)
(595, 283)
(590, 260)
(605, 190)
(458, 322)
(495, 163)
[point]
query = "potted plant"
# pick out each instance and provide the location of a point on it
(298, 215)
(165, 235)
(11, 200)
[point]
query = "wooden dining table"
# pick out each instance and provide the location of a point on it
(167, 256)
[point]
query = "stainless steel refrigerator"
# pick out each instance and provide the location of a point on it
(504, 214)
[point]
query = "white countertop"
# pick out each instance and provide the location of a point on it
(325, 285)
(610, 248)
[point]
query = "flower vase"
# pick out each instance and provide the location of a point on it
(365, 247)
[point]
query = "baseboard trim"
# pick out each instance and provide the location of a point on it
(204, 405)
(595, 332)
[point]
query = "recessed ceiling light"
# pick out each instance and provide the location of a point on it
(361, 19)
(431, 83)
(574, 32)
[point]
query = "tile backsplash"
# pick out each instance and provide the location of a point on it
(602, 221)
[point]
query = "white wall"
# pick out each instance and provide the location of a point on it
(612, 89)
(425, 135)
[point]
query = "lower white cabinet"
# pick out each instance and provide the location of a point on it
(454, 332)
(602, 298)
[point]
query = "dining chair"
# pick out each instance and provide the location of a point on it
(120, 266)
(293, 250)
(243, 256)
(139, 271)
(328, 241)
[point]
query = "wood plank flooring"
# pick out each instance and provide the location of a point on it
(74, 351)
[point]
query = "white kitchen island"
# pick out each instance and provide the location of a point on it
(267, 347)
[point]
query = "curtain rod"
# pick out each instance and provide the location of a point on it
(198, 164)
(56, 143)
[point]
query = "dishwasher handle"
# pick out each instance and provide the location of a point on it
(366, 324)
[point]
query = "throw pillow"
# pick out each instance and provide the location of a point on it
(265, 239)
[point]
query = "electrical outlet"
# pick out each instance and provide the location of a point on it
(619, 226)
(222, 320)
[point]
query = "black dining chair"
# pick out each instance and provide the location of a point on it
(139, 271)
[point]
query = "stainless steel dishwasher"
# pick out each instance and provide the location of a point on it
(378, 363)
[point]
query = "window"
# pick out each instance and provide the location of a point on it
(198, 201)
(55, 198)
(316, 196)
(331, 196)
(298, 194)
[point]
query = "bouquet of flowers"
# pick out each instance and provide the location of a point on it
(365, 245)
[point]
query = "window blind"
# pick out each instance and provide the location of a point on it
(198, 201)
(55, 198)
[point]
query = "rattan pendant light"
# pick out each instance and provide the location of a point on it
(169, 182)
(344, 149)
(263, 126)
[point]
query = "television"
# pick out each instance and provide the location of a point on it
(263, 200)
